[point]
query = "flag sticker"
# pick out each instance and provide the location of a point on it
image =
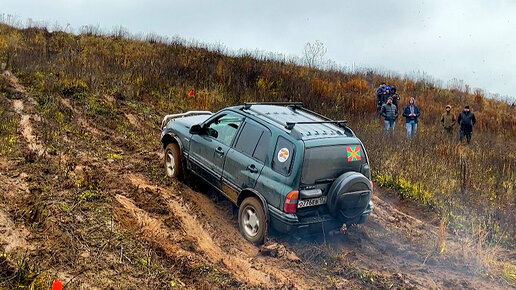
(354, 153)
(283, 155)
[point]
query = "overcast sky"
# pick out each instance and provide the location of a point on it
(470, 40)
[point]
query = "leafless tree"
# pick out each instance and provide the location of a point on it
(314, 53)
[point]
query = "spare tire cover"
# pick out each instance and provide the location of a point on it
(349, 195)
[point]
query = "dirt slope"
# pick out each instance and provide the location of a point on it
(83, 199)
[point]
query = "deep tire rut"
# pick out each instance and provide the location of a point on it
(239, 257)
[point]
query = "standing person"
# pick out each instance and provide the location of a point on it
(448, 121)
(466, 121)
(395, 99)
(379, 95)
(411, 114)
(390, 114)
(386, 94)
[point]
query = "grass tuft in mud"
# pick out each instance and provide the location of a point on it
(8, 128)
(19, 273)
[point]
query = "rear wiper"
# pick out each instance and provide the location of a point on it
(324, 180)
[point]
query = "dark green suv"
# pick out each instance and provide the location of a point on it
(283, 165)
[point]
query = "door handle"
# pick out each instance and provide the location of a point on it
(252, 168)
(219, 150)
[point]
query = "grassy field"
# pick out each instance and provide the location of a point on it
(472, 186)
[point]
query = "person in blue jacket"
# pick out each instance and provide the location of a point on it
(411, 114)
(386, 94)
(379, 95)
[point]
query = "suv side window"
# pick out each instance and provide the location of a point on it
(224, 128)
(283, 156)
(253, 141)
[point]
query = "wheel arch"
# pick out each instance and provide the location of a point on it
(248, 192)
(171, 138)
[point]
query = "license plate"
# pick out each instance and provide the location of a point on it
(312, 202)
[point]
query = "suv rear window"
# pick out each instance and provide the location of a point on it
(329, 162)
(283, 155)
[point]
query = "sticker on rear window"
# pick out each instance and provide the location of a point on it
(354, 153)
(283, 155)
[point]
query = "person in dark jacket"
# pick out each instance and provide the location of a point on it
(411, 114)
(395, 99)
(466, 121)
(390, 113)
(386, 94)
(448, 121)
(379, 94)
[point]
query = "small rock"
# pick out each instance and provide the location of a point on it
(278, 251)
(342, 284)
(85, 254)
(270, 250)
(292, 257)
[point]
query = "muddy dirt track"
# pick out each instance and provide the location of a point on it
(89, 204)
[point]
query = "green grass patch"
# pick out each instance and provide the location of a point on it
(64, 207)
(19, 274)
(89, 195)
(509, 273)
(114, 156)
(8, 135)
(407, 189)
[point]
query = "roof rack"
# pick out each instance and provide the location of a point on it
(247, 106)
(341, 123)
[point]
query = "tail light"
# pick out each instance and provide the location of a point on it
(291, 202)
(372, 185)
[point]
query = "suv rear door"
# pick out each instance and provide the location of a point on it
(245, 159)
(208, 149)
(324, 161)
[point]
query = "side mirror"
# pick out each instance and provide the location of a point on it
(195, 129)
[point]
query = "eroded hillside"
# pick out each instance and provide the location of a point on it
(84, 199)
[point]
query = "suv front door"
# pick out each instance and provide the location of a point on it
(245, 159)
(209, 148)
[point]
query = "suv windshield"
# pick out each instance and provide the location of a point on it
(323, 164)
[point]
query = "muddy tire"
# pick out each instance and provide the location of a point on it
(173, 162)
(251, 220)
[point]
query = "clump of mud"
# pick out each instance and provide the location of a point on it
(11, 85)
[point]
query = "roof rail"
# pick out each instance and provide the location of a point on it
(247, 106)
(341, 123)
(316, 114)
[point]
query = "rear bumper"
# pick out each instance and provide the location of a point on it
(287, 223)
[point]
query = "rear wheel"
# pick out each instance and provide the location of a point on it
(173, 164)
(251, 220)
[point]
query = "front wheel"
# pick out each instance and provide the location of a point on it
(251, 220)
(173, 164)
